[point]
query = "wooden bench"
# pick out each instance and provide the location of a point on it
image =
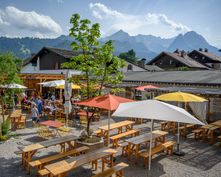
(40, 163)
(197, 133)
(219, 139)
(116, 138)
(168, 146)
(124, 146)
(117, 169)
(98, 132)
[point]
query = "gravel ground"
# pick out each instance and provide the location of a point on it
(201, 159)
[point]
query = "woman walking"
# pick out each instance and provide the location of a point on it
(34, 114)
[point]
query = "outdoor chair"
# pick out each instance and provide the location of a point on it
(44, 132)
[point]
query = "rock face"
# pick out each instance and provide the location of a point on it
(145, 46)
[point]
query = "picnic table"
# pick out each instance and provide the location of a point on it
(15, 118)
(62, 167)
(52, 124)
(29, 151)
(218, 124)
(135, 142)
(119, 125)
(208, 130)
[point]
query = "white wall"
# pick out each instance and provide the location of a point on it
(135, 68)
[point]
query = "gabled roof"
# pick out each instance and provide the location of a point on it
(153, 68)
(208, 77)
(186, 60)
(209, 55)
(62, 52)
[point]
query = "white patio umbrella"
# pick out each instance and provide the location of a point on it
(67, 95)
(13, 86)
(54, 83)
(155, 110)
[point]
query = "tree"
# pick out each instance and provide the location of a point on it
(8, 74)
(97, 62)
(129, 56)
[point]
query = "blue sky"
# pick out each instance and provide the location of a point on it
(164, 18)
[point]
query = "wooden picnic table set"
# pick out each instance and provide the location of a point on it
(134, 143)
(123, 126)
(17, 119)
(29, 151)
(209, 130)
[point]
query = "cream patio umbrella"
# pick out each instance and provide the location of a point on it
(180, 97)
(67, 95)
(154, 110)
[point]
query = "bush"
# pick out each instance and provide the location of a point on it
(3, 138)
(5, 128)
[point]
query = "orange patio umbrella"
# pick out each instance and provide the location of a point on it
(108, 102)
(143, 87)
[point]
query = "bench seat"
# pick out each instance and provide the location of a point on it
(116, 138)
(117, 169)
(39, 163)
(167, 146)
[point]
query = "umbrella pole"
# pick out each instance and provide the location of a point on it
(178, 151)
(150, 148)
(108, 134)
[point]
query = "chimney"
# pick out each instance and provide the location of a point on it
(183, 53)
(142, 62)
(205, 50)
(200, 49)
(33, 54)
(176, 51)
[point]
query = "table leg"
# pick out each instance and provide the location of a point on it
(136, 152)
(204, 134)
(128, 151)
(111, 160)
(211, 136)
(103, 163)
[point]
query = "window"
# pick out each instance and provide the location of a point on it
(129, 67)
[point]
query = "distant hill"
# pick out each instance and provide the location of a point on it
(145, 46)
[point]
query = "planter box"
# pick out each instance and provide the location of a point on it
(92, 146)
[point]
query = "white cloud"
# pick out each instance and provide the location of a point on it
(150, 23)
(31, 22)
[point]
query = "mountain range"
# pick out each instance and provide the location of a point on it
(145, 46)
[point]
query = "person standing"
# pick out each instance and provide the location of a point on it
(34, 114)
(39, 105)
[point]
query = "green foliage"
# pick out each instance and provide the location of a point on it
(129, 56)
(184, 68)
(8, 69)
(5, 128)
(3, 137)
(97, 62)
(8, 75)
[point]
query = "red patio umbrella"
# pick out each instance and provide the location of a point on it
(108, 102)
(143, 87)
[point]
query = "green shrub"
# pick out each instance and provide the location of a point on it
(3, 138)
(5, 128)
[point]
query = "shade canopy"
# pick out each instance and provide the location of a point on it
(156, 110)
(108, 102)
(180, 97)
(13, 86)
(142, 88)
(54, 83)
(73, 86)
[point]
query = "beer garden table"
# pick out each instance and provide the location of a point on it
(135, 142)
